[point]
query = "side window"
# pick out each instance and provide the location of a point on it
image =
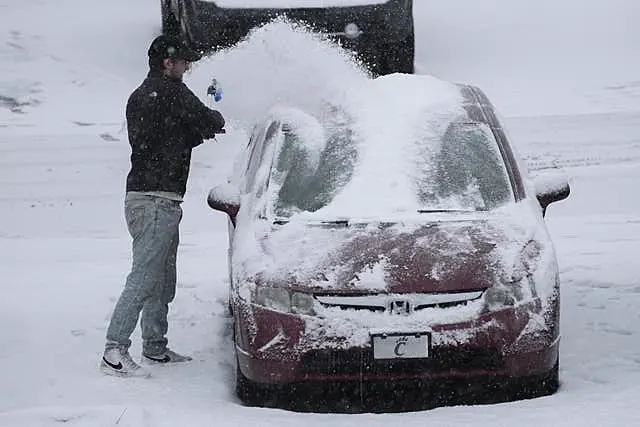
(251, 171)
(256, 136)
(262, 141)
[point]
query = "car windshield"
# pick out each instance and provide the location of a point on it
(459, 168)
(308, 180)
(468, 171)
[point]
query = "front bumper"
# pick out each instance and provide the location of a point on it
(281, 348)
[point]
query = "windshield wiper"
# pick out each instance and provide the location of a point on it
(444, 210)
(344, 222)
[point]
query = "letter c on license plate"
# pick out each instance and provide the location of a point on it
(401, 345)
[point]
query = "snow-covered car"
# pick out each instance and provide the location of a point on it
(380, 31)
(396, 240)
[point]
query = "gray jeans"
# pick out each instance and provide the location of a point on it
(153, 223)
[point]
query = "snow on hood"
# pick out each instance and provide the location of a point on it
(508, 250)
(431, 253)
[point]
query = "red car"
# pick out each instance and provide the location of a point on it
(386, 241)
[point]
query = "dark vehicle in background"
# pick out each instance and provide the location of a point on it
(381, 32)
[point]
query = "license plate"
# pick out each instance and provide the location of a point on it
(401, 345)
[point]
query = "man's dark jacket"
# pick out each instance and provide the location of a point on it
(165, 120)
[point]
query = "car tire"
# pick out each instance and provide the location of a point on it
(249, 392)
(550, 383)
(539, 385)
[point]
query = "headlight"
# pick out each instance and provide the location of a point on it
(284, 300)
(302, 303)
(498, 298)
(274, 298)
(518, 283)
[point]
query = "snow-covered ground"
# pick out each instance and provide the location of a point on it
(565, 76)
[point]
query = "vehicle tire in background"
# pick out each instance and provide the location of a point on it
(169, 21)
(400, 57)
(184, 23)
(382, 57)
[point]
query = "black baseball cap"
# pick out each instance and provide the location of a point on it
(163, 47)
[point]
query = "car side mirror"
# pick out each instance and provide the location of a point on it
(551, 187)
(225, 198)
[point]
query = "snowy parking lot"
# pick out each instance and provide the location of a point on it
(565, 78)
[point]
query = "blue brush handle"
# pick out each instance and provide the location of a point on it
(215, 91)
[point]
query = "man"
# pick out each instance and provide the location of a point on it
(165, 120)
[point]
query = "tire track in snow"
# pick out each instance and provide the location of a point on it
(577, 141)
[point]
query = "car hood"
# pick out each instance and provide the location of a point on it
(448, 256)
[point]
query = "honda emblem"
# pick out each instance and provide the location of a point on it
(400, 306)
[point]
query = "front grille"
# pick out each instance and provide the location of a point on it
(411, 302)
(360, 360)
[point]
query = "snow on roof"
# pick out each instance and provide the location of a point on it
(394, 119)
(306, 126)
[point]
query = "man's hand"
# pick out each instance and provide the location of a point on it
(213, 135)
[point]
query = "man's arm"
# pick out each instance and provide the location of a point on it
(206, 121)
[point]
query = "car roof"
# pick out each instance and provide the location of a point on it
(473, 100)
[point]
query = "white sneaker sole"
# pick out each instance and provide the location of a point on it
(150, 362)
(145, 362)
(108, 370)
